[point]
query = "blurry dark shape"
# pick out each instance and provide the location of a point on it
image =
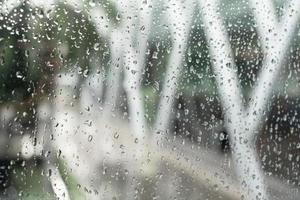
(224, 141)
(4, 174)
(279, 142)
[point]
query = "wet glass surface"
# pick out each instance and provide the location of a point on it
(149, 99)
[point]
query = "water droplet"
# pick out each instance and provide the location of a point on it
(49, 172)
(118, 17)
(136, 140)
(90, 138)
(88, 122)
(19, 75)
(59, 153)
(96, 46)
(92, 3)
(116, 135)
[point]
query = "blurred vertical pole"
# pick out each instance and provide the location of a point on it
(244, 154)
(135, 57)
(132, 86)
(125, 59)
(70, 125)
(92, 88)
(60, 127)
(143, 32)
(57, 182)
(114, 74)
(266, 20)
(105, 29)
(132, 68)
(180, 18)
(275, 38)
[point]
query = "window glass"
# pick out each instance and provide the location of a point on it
(149, 99)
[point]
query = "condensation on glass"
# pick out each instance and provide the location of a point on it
(150, 99)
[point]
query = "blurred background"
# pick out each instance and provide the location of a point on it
(119, 100)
